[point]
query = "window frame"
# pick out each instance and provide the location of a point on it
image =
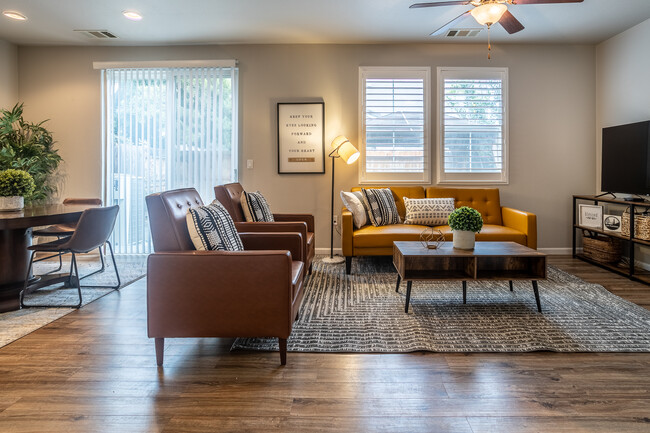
(395, 72)
(472, 178)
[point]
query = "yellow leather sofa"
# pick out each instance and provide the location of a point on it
(499, 223)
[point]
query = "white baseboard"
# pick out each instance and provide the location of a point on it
(326, 251)
(555, 251)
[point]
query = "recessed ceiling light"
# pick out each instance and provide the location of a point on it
(14, 15)
(132, 15)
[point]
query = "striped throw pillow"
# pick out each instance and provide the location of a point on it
(212, 228)
(381, 206)
(255, 207)
(428, 211)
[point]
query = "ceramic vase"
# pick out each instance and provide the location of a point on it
(13, 203)
(464, 240)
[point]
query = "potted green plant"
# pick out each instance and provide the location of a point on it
(30, 147)
(465, 222)
(14, 186)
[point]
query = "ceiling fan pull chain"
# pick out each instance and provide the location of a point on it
(489, 45)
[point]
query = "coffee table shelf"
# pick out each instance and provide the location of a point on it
(488, 261)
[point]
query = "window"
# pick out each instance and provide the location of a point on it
(472, 125)
(165, 128)
(394, 124)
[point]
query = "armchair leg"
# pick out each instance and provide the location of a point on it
(160, 348)
(311, 268)
(348, 264)
(283, 350)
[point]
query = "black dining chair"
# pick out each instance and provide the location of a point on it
(92, 231)
(64, 230)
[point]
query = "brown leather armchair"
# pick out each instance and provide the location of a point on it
(229, 196)
(252, 293)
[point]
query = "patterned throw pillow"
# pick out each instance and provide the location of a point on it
(212, 228)
(380, 203)
(255, 207)
(428, 211)
(354, 202)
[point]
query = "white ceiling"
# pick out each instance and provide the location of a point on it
(184, 22)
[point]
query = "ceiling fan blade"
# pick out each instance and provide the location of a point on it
(447, 26)
(430, 5)
(539, 2)
(510, 23)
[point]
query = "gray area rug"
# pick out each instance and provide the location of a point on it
(362, 313)
(16, 324)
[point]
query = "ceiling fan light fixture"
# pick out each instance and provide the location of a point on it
(489, 13)
(14, 15)
(132, 15)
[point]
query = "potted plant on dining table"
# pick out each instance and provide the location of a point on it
(14, 186)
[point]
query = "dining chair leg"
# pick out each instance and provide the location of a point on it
(26, 283)
(76, 272)
(117, 274)
(101, 257)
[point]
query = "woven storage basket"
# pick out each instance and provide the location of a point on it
(602, 248)
(641, 225)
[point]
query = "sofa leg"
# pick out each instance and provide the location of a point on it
(348, 264)
(160, 348)
(283, 350)
(311, 268)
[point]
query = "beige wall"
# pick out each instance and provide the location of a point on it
(552, 115)
(623, 86)
(8, 75)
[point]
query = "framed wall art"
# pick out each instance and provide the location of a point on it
(612, 223)
(301, 137)
(590, 216)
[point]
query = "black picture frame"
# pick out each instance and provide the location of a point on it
(301, 137)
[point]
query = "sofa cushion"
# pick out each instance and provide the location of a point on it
(381, 206)
(490, 232)
(384, 236)
(428, 211)
(255, 207)
(399, 192)
(484, 200)
(211, 228)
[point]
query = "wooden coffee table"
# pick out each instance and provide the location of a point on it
(488, 261)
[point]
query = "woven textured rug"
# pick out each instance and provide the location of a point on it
(362, 313)
(16, 324)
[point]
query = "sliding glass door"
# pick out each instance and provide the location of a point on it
(165, 128)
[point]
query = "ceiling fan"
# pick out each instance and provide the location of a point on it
(488, 12)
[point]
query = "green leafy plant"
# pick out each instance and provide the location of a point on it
(467, 219)
(30, 147)
(16, 183)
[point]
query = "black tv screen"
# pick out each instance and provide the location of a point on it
(626, 158)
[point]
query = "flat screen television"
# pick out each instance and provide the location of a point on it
(626, 159)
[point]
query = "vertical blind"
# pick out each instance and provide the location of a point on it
(166, 128)
(473, 114)
(394, 121)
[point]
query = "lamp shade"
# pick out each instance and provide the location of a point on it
(338, 141)
(348, 152)
(489, 13)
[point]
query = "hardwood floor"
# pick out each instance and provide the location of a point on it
(94, 370)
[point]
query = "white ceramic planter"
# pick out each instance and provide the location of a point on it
(14, 203)
(464, 240)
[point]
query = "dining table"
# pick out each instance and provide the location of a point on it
(16, 237)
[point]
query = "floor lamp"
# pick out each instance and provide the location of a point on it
(341, 148)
